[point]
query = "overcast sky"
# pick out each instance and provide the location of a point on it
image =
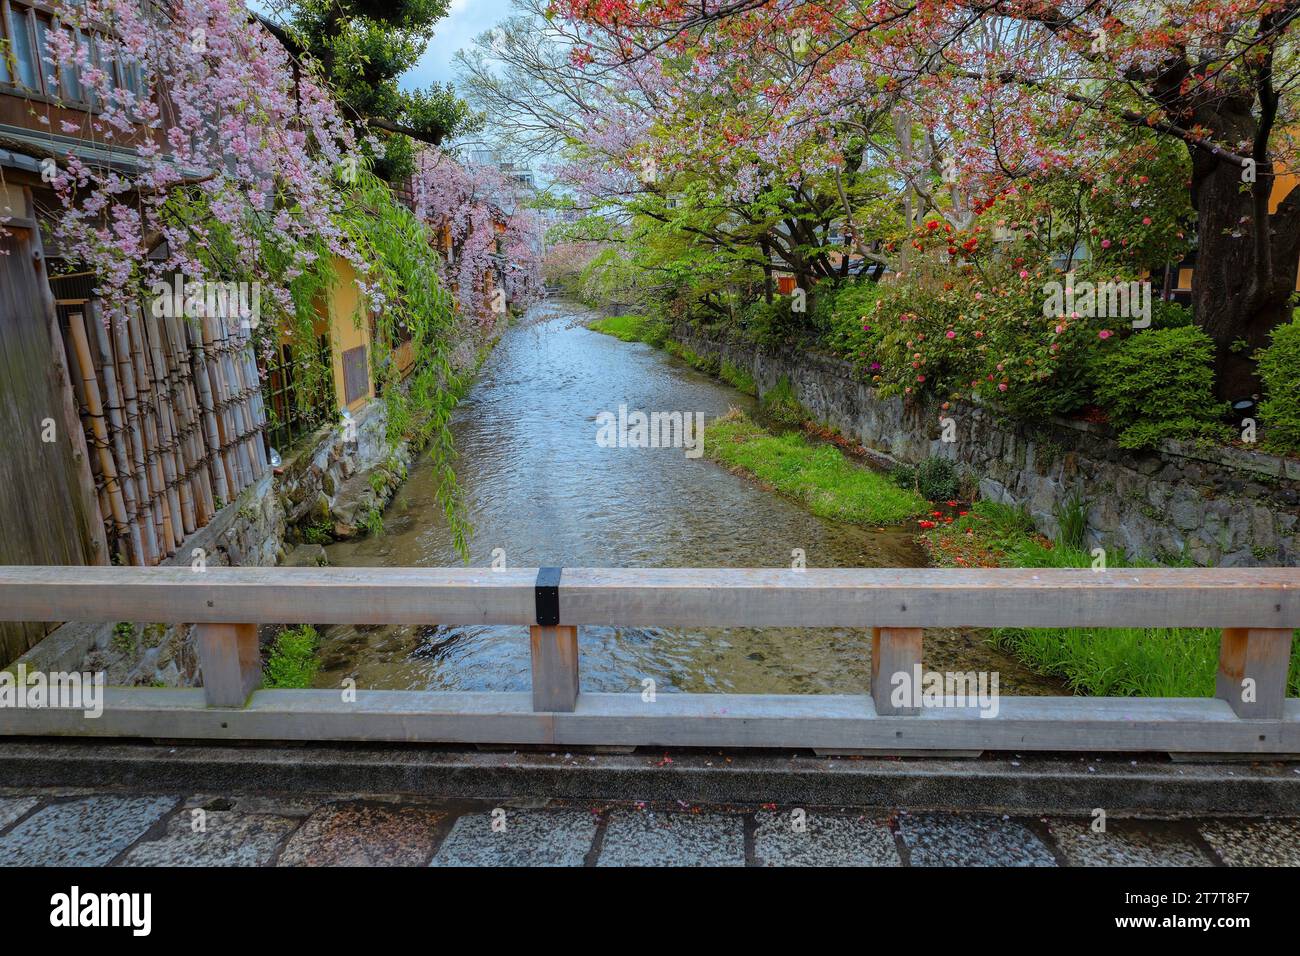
(466, 20)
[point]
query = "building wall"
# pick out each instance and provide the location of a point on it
(349, 327)
(48, 511)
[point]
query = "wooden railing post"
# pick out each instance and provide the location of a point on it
(894, 650)
(231, 662)
(555, 667)
(1253, 664)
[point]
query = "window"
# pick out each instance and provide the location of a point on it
(297, 402)
(356, 377)
(27, 65)
(22, 46)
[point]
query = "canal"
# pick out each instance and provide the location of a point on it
(540, 490)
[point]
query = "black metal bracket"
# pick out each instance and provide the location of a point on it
(547, 593)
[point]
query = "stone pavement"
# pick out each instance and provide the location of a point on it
(101, 828)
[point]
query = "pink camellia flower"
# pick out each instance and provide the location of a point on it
(920, 378)
(952, 334)
(1024, 273)
(1002, 387)
(1146, 220)
(1060, 329)
(1105, 243)
(1104, 334)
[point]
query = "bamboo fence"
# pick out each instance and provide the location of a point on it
(173, 412)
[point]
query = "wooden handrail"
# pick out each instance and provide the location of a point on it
(718, 597)
(1256, 608)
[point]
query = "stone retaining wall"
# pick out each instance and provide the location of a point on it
(1216, 506)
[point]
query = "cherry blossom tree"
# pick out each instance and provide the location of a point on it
(231, 144)
(469, 200)
(1017, 90)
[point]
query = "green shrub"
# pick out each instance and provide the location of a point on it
(1170, 315)
(1159, 383)
(936, 479)
(775, 323)
(292, 661)
(843, 316)
(904, 476)
(1279, 369)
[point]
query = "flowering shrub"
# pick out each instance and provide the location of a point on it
(968, 335)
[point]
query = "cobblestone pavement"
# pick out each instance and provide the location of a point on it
(68, 827)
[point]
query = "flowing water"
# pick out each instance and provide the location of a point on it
(539, 487)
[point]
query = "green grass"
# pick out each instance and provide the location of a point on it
(780, 404)
(632, 328)
(738, 378)
(1104, 662)
(702, 363)
(293, 662)
(817, 476)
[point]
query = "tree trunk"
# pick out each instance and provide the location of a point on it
(1243, 282)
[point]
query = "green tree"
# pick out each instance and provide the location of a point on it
(363, 47)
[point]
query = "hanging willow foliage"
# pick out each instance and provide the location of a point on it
(404, 269)
(402, 279)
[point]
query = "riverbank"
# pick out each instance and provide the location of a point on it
(1103, 662)
(1181, 501)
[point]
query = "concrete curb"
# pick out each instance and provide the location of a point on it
(1060, 784)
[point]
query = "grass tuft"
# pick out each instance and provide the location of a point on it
(632, 328)
(817, 476)
(293, 662)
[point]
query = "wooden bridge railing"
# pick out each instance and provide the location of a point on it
(1257, 610)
